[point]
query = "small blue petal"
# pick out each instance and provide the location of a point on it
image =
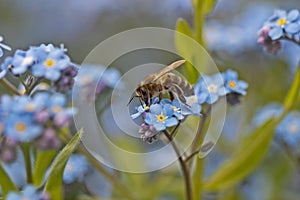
(159, 126)
(171, 122)
(168, 110)
(156, 109)
(276, 33)
(292, 15)
(292, 28)
(3, 73)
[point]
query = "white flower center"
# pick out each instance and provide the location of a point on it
(212, 88)
(293, 128)
(27, 61)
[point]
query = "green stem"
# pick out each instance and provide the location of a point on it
(9, 86)
(198, 22)
(198, 170)
(26, 154)
(122, 189)
(290, 39)
(197, 140)
(186, 174)
(191, 156)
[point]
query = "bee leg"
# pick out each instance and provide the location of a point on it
(177, 90)
(160, 96)
(171, 96)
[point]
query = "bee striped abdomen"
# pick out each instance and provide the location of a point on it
(185, 86)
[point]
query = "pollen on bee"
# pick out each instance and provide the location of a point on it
(175, 108)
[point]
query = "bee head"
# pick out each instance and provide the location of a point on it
(142, 93)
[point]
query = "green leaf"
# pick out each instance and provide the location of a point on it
(249, 155)
(43, 161)
(5, 182)
(181, 42)
(253, 149)
(54, 182)
(207, 5)
(186, 48)
(292, 97)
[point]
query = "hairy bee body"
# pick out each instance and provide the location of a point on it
(155, 85)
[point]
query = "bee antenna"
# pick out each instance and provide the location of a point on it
(132, 99)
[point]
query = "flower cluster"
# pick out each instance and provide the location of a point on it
(208, 89)
(165, 113)
(161, 115)
(29, 192)
(27, 119)
(281, 25)
(94, 76)
(44, 62)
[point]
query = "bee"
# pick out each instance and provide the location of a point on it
(161, 82)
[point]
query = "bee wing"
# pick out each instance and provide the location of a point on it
(165, 70)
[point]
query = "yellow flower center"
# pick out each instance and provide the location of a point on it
(161, 118)
(281, 21)
(30, 107)
(212, 88)
(20, 127)
(175, 108)
(232, 84)
(293, 128)
(56, 109)
(49, 63)
(146, 107)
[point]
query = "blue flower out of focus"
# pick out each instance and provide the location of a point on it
(289, 129)
(29, 192)
(161, 116)
(44, 61)
(21, 128)
(266, 113)
(283, 22)
(76, 168)
(232, 84)
(36, 119)
(209, 88)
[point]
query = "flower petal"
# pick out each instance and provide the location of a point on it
(276, 33)
(3, 73)
(168, 110)
(156, 109)
(171, 122)
(159, 126)
(293, 15)
(292, 28)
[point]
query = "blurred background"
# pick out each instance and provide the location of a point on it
(230, 32)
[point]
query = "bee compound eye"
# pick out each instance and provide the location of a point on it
(144, 92)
